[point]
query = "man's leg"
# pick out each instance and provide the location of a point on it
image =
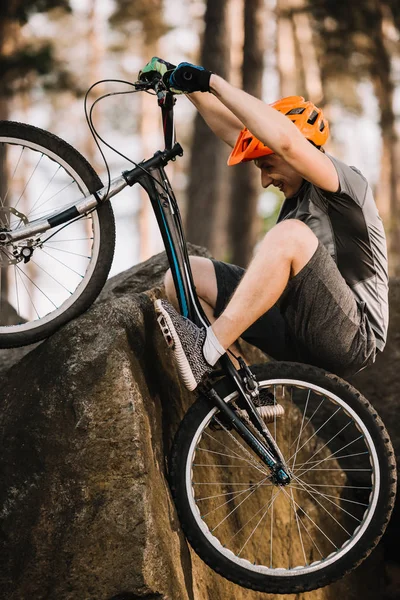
(206, 288)
(205, 281)
(284, 251)
(282, 254)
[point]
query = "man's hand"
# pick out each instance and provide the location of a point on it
(188, 78)
(156, 66)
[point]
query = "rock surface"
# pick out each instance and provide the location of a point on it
(87, 420)
(380, 383)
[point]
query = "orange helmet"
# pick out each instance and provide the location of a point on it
(304, 114)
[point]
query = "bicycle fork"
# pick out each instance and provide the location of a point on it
(268, 453)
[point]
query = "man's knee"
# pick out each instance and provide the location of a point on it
(293, 241)
(293, 236)
(293, 229)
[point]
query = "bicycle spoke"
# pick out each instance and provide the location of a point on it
(352, 487)
(37, 287)
(270, 503)
(323, 507)
(256, 463)
(255, 528)
(27, 291)
(16, 290)
(223, 454)
(43, 191)
(329, 441)
(334, 453)
(298, 526)
(67, 251)
(303, 484)
(315, 432)
(51, 276)
(308, 422)
(61, 263)
(236, 455)
(312, 521)
(301, 430)
(336, 469)
(271, 536)
(249, 483)
(252, 488)
(29, 180)
(74, 240)
(49, 199)
(332, 457)
(310, 538)
(224, 494)
(12, 176)
(234, 510)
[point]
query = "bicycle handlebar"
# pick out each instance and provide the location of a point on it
(160, 159)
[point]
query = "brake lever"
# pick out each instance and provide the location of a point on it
(143, 85)
(249, 379)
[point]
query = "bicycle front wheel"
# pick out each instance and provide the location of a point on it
(299, 537)
(59, 273)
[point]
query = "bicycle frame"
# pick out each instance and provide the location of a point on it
(150, 174)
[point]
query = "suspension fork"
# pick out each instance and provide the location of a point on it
(269, 453)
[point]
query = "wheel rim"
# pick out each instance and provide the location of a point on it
(301, 528)
(39, 291)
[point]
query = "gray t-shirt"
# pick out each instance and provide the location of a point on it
(347, 222)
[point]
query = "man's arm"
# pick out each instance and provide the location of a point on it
(278, 133)
(218, 117)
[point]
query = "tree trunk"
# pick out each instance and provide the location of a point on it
(95, 54)
(209, 154)
(244, 225)
(286, 58)
(388, 189)
(307, 52)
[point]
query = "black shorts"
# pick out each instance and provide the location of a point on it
(316, 320)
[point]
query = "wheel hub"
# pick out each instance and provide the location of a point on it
(11, 254)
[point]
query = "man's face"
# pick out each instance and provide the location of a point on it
(276, 171)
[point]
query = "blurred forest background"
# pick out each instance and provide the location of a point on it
(344, 56)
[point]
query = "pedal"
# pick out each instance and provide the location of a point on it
(165, 331)
(267, 413)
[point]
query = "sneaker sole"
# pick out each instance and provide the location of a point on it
(173, 342)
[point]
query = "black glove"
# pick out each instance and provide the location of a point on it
(188, 78)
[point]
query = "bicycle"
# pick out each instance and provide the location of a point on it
(278, 505)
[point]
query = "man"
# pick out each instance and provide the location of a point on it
(317, 289)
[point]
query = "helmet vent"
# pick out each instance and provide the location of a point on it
(296, 111)
(322, 126)
(313, 117)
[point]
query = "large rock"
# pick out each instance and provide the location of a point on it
(87, 420)
(380, 383)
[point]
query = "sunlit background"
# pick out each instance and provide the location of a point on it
(344, 58)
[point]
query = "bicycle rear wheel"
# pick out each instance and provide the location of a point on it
(69, 264)
(299, 537)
